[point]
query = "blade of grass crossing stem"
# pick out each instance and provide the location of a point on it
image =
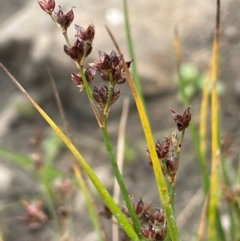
(131, 50)
(213, 202)
(91, 208)
(123, 221)
(164, 196)
(192, 127)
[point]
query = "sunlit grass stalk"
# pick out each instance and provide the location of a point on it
(106, 197)
(162, 187)
(192, 126)
(203, 116)
(172, 227)
(214, 180)
(89, 202)
(131, 50)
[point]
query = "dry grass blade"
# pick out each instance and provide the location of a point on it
(120, 159)
(177, 48)
(202, 225)
(59, 104)
(190, 208)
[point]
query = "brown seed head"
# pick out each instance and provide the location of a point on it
(172, 164)
(159, 216)
(76, 51)
(110, 66)
(47, 6)
(78, 81)
(64, 20)
(162, 148)
(85, 34)
(101, 95)
(182, 121)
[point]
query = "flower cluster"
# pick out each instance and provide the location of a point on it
(153, 221)
(85, 34)
(63, 20)
(47, 6)
(110, 67)
(155, 234)
(35, 217)
(168, 160)
(101, 95)
(162, 148)
(167, 149)
(81, 49)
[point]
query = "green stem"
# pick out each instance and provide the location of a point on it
(48, 196)
(119, 178)
(67, 39)
(131, 50)
(110, 94)
(86, 85)
(177, 150)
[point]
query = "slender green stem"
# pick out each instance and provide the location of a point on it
(86, 85)
(119, 178)
(131, 50)
(48, 194)
(110, 94)
(177, 152)
(67, 39)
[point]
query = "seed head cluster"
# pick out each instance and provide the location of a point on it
(109, 66)
(153, 221)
